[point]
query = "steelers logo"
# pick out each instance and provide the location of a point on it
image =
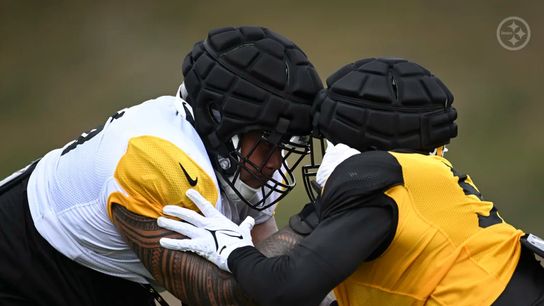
(513, 33)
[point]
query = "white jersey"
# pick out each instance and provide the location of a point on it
(143, 158)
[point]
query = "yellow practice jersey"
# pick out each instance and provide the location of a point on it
(450, 246)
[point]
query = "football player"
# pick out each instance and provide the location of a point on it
(78, 226)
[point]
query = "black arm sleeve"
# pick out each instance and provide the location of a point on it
(320, 261)
(357, 223)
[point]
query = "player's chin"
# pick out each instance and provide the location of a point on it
(257, 181)
(264, 178)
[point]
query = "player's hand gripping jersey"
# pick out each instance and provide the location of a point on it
(143, 158)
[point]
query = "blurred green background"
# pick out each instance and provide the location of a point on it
(65, 66)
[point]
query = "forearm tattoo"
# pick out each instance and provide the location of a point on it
(279, 243)
(189, 277)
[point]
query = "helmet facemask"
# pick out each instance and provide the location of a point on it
(262, 167)
(243, 80)
(309, 172)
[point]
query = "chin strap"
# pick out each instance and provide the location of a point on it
(249, 193)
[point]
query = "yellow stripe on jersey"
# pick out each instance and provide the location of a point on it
(153, 173)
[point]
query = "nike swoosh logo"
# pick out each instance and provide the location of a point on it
(231, 235)
(188, 177)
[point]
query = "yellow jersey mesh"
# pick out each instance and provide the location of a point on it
(153, 173)
(439, 255)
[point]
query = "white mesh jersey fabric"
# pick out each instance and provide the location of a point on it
(68, 193)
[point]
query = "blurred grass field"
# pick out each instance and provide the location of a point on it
(66, 66)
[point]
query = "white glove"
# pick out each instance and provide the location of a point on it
(212, 236)
(334, 155)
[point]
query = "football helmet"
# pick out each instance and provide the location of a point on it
(246, 79)
(382, 104)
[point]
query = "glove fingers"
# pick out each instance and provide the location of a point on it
(184, 245)
(334, 155)
(183, 228)
(247, 225)
(169, 243)
(329, 146)
(185, 214)
(174, 244)
(204, 205)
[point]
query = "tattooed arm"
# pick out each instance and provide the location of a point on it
(188, 276)
(279, 243)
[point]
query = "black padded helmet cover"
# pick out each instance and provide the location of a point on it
(248, 78)
(385, 104)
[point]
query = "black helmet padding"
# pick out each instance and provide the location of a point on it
(248, 78)
(385, 104)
